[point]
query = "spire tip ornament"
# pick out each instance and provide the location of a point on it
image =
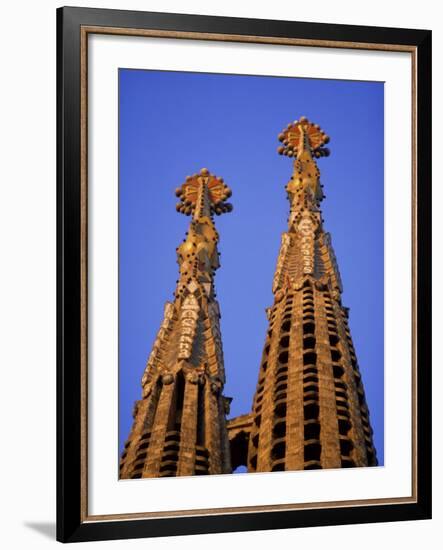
(203, 191)
(300, 134)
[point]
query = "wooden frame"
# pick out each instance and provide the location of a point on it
(73, 26)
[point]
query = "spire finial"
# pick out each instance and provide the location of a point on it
(203, 194)
(301, 134)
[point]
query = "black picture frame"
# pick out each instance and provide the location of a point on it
(72, 526)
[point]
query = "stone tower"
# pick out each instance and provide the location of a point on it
(309, 409)
(179, 424)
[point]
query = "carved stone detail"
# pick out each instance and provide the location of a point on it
(284, 247)
(168, 316)
(167, 379)
(306, 232)
(189, 317)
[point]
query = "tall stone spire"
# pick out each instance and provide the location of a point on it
(179, 424)
(309, 409)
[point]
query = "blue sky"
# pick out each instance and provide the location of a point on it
(171, 125)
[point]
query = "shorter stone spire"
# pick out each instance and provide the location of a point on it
(180, 423)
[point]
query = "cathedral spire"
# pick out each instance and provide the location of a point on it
(180, 424)
(309, 409)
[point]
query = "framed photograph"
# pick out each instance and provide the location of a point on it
(271, 367)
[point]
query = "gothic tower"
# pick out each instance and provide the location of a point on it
(179, 424)
(309, 409)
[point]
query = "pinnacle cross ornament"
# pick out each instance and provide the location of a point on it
(201, 195)
(304, 141)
